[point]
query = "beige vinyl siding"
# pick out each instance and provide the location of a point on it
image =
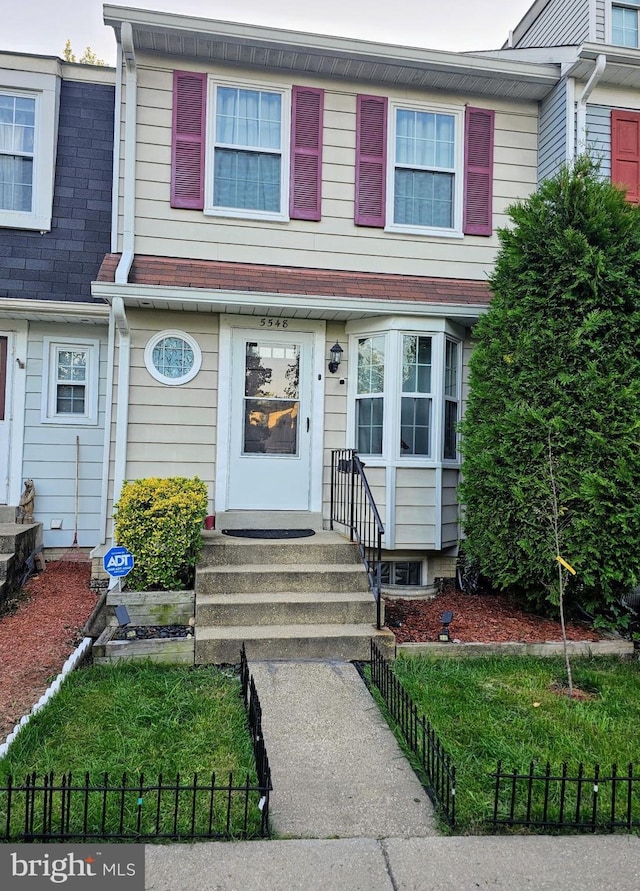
(334, 242)
(450, 510)
(335, 409)
(415, 508)
(601, 17)
(171, 429)
(49, 455)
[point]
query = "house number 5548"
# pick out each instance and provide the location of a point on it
(274, 323)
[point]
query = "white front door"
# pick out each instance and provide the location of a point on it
(270, 420)
(5, 414)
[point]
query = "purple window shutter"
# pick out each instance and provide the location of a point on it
(188, 139)
(478, 171)
(371, 161)
(306, 153)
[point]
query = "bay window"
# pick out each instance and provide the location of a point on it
(406, 395)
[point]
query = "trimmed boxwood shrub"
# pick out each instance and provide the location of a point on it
(160, 521)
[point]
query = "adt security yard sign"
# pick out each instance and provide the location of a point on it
(118, 562)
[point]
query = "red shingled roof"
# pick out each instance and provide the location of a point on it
(218, 276)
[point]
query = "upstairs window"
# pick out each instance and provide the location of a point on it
(624, 23)
(28, 110)
(17, 143)
(424, 179)
(246, 151)
(247, 167)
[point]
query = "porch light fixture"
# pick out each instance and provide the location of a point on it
(446, 618)
(335, 352)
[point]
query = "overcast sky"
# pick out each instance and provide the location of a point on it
(43, 26)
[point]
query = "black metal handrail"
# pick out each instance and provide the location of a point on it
(353, 506)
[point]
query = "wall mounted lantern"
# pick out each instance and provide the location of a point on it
(335, 352)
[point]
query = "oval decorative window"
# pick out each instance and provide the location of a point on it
(172, 357)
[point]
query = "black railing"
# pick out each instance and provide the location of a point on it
(438, 773)
(587, 803)
(353, 506)
(134, 809)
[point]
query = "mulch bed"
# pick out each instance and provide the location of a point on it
(477, 618)
(38, 634)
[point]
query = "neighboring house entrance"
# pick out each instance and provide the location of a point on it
(269, 421)
(5, 419)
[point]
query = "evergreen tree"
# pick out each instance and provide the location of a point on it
(556, 369)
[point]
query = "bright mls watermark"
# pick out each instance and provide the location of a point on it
(91, 867)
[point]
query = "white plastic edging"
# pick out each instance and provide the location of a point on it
(69, 665)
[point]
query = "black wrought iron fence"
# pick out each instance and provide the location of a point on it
(438, 771)
(126, 808)
(353, 506)
(589, 802)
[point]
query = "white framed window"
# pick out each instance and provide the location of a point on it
(452, 376)
(401, 573)
(70, 381)
(248, 151)
(28, 136)
(425, 172)
(173, 357)
(624, 23)
(407, 393)
(370, 395)
(415, 402)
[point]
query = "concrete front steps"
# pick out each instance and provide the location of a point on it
(304, 598)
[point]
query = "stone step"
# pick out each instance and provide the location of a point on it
(327, 547)
(7, 513)
(218, 646)
(5, 563)
(274, 577)
(297, 607)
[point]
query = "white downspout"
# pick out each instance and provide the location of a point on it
(122, 409)
(129, 187)
(108, 410)
(581, 113)
(115, 186)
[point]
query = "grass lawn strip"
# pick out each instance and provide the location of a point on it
(141, 718)
(505, 709)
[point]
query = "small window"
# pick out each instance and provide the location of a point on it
(370, 395)
(624, 24)
(248, 152)
(451, 399)
(402, 574)
(70, 394)
(415, 409)
(172, 357)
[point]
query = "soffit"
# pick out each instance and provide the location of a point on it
(257, 47)
(622, 69)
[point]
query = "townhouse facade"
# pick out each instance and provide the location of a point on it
(281, 194)
(277, 245)
(56, 158)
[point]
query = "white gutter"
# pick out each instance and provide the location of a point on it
(129, 187)
(122, 409)
(581, 113)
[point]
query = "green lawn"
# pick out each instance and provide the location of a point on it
(505, 709)
(149, 719)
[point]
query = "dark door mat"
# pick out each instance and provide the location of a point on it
(268, 533)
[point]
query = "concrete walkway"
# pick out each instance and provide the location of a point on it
(360, 818)
(337, 769)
